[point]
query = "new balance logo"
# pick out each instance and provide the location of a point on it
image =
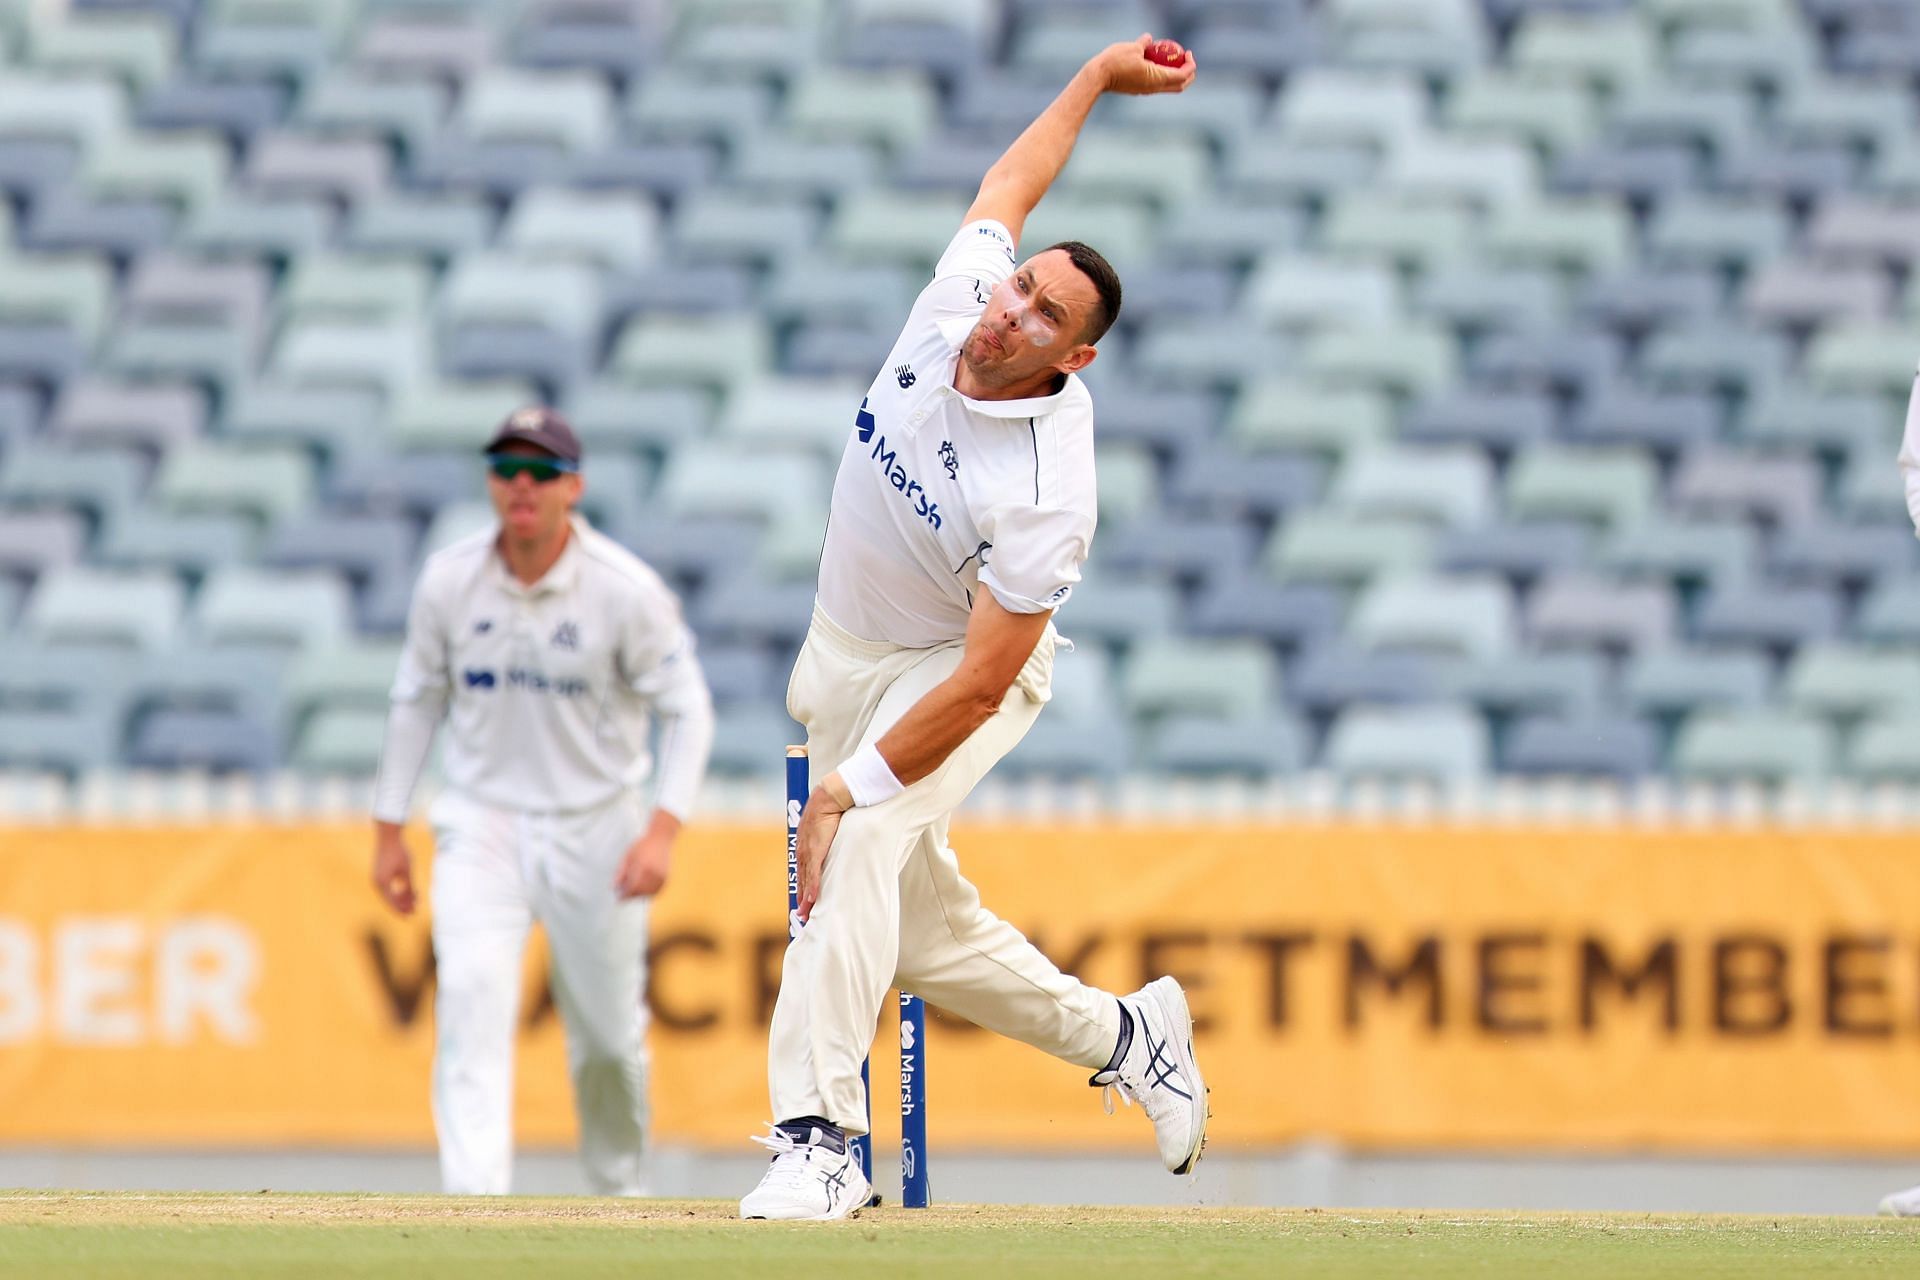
(903, 374)
(863, 422)
(483, 626)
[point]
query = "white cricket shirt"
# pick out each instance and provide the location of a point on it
(938, 495)
(1909, 456)
(547, 688)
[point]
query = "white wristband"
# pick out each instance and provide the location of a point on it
(868, 779)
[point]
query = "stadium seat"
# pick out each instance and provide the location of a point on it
(1304, 292)
(215, 741)
(267, 483)
(1193, 550)
(101, 482)
(72, 741)
(32, 542)
(1621, 749)
(1554, 115)
(1063, 749)
(791, 413)
(1212, 747)
(1679, 681)
(1572, 363)
(192, 543)
(357, 286)
(707, 351)
(1666, 422)
(100, 410)
(1225, 679)
(1885, 749)
(1520, 552)
(427, 224)
(1330, 547)
(1606, 486)
(1413, 359)
(1476, 298)
(1292, 413)
(284, 162)
(1440, 744)
(711, 479)
(1848, 682)
(1690, 553)
(80, 604)
(296, 609)
(1289, 615)
(1568, 684)
(1471, 617)
(1116, 610)
(1725, 746)
(1768, 614)
(341, 740)
(1847, 554)
(333, 421)
(1578, 610)
(407, 111)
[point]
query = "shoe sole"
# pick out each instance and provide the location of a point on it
(1179, 1016)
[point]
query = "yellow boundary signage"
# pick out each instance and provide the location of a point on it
(1377, 986)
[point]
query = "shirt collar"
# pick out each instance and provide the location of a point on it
(561, 577)
(955, 330)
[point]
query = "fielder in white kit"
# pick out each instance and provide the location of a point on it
(1906, 1204)
(962, 511)
(549, 649)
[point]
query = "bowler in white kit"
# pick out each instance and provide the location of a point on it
(962, 512)
(549, 649)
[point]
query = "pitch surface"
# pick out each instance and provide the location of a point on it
(61, 1234)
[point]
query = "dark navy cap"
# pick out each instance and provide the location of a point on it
(540, 427)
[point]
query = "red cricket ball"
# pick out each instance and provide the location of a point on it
(1167, 53)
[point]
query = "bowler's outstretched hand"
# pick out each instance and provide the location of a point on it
(1128, 69)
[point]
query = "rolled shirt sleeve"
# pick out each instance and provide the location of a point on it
(1036, 556)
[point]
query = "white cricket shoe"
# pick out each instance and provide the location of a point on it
(813, 1177)
(1160, 1073)
(1902, 1204)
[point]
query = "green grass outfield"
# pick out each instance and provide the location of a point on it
(67, 1234)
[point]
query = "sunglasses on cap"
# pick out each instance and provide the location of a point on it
(505, 466)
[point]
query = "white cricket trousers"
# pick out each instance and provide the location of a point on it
(495, 872)
(894, 909)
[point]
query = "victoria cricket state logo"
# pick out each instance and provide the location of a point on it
(950, 459)
(903, 374)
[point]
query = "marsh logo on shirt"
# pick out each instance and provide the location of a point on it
(863, 421)
(909, 488)
(478, 679)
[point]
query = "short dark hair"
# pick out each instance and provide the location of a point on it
(1106, 283)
